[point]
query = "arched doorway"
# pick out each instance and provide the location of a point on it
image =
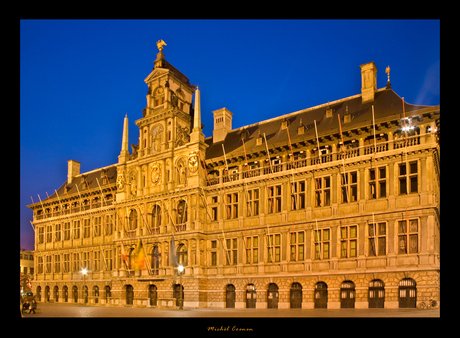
(38, 293)
(129, 295)
(75, 293)
(376, 294)
(347, 295)
(230, 297)
(96, 293)
(108, 294)
(47, 293)
(153, 295)
(178, 289)
(272, 296)
(296, 296)
(85, 293)
(251, 296)
(407, 293)
(65, 293)
(320, 295)
(56, 293)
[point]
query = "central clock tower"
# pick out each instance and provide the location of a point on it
(171, 140)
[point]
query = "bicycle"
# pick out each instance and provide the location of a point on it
(430, 304)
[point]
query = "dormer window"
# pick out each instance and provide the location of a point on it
(328, 111)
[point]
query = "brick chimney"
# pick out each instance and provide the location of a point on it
(222, 124)
(73, 170)
(368, 81)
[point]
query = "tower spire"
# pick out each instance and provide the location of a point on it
(197, 133)
(124, 153)
(197, 118)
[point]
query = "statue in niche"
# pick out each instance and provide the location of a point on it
(181, 171)
(156, 138)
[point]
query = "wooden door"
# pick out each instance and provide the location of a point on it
(321, 295)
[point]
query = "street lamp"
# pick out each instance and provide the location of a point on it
(84, 272)
(180, 268)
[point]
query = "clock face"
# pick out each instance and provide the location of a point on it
(156, 174)
(120, 183)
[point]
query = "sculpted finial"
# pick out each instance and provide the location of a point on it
(160, 45)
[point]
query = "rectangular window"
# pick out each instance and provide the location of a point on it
(76, 229)
(86, 228)
(57, 263)
(97, 260)
(66, 266)
(252, 249)
(298, 246)
(322, 243)
(214, 253)
(408, 178)
(41, 235)
(49, 233)
(252, 204)
(232, 205)
(108, 260)
(350, 187)
(408, 236)
(66, 231)
(274, 248)
(274, 199)
(322, 191)
(97, 226)
(298, 195)
(348, 241)
(214, 208)
(377, 239)
(75, 262)
(108, 225)
(232, 251)
(40, 264)
(57, 232)
(377, 185)
(48, 264)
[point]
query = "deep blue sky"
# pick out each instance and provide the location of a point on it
(78, 79)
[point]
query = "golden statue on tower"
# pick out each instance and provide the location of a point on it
(160, 45)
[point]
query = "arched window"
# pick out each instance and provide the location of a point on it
(156, 219)
(182, 254)
(158, 96)
(132, 221)
(155, 259)
(181, 213)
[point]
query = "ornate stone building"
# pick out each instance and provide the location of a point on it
(332, 206)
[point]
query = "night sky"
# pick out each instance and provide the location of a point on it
(78, 79)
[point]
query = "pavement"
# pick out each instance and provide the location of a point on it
(62, 310)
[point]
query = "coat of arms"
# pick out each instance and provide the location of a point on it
(193, 162)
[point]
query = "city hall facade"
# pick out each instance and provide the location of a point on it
(334, 206)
